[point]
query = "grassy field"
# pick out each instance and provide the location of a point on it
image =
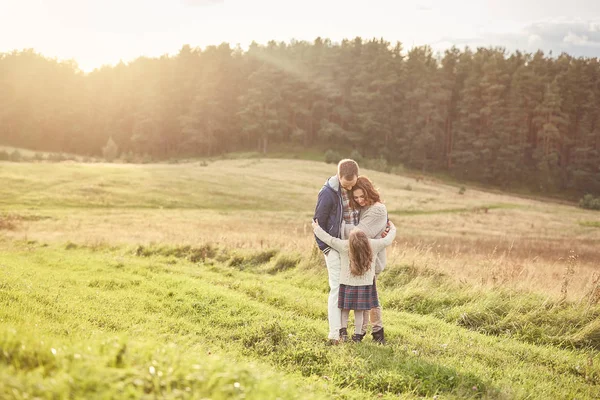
(203, 281)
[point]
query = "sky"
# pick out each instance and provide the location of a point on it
(99, 32)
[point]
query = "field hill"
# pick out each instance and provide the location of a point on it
(202, 280)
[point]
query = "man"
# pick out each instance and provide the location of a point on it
(333, 211)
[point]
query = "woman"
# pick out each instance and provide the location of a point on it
(373, 220)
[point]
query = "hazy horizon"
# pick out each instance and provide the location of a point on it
(104, 33)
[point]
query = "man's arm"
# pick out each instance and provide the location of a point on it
(380, 244)
(387, 229)
(322, 211)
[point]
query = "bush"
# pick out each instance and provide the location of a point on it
(127, 158)
(56, 157)
(588, 336)
(590, 202)
(332, 157)
(16, 156)
(262, 257)
(284, 262)
(377, 164)
(194, 254)
(4, 156)
(397, 169)
(69, 157)
(356, 156)
(462, 190)
(111, 150)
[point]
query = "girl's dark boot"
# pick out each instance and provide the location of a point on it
(343, 334)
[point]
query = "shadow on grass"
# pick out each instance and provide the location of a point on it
(365, 366)
(389, 369)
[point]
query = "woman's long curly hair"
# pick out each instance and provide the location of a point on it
(360, 252)
(369, 190)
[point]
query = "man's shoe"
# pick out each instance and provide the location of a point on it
(379, 336)
(343, 334)
(332, 342)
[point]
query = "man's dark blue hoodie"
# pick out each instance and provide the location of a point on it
(330, 210)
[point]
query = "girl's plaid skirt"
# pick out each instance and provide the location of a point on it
(358, 297)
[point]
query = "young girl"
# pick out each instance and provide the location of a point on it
(358, 291)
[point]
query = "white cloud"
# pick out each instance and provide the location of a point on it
(533, 39)
(576, 40)
(575, 37)
(201, 3)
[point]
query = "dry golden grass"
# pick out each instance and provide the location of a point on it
(485, 238)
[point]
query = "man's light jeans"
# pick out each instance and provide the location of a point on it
(334, 314)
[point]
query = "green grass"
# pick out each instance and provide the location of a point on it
(145, 324)
(293, 152)
(527, 317)
(479, 209)
(136, 187)
(590, 224)
(202, 281)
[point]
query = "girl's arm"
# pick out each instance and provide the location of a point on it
(326, 238)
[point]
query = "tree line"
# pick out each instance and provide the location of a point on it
(518, 119)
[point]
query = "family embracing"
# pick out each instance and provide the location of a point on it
(352, 229)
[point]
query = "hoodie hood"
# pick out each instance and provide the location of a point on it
(333, 183)
(329, 210)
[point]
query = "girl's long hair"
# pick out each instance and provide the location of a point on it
(360, 252)
(371, 193)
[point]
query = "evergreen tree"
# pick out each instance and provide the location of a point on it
(509, 119)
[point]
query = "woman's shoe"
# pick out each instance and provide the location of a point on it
(379, 337)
